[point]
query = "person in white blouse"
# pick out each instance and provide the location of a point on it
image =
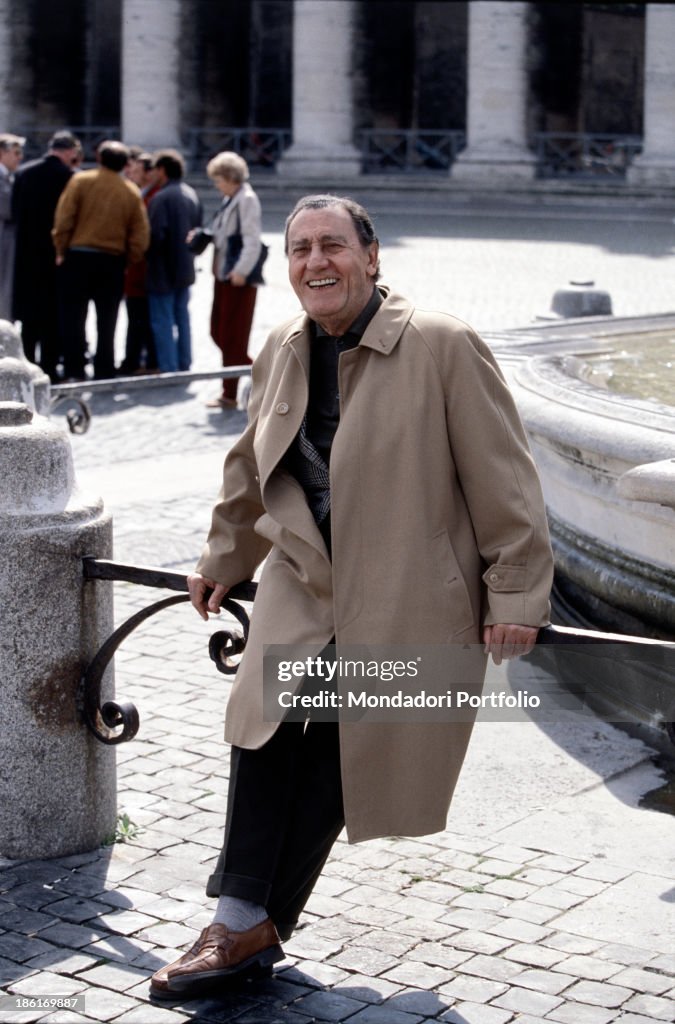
(237, 246)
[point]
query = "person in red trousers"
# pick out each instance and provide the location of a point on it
(237, 243)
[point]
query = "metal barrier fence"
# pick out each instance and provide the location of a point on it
(408, 151)
(78, 414)
(589, 155)
(585, 155)
(260, 147)
(91, 136)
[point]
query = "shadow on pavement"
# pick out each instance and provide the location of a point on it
(293, 997)
(587, 735)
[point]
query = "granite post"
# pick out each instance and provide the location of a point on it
(57, 781)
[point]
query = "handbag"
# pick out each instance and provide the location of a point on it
(200, 241)
(235, 244)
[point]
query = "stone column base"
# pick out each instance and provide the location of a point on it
(501, 166)
(306, 163)
(647, 170)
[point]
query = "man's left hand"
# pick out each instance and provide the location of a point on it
(508, 641)
(238, 280)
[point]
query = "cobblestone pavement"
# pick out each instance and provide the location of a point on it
(550, 896)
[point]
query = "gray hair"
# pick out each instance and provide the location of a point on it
(9, 141)
(361, 219)
(228, 165)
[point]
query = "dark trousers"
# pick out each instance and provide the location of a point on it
(231, 319)
(284, 813)
(140, 346)
(99, 277)
(40, 325)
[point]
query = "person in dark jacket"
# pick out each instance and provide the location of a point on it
(139, 356)
(37, 187)
(100, 225)
(11, 155)
(174, 211)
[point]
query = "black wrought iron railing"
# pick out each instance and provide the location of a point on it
(91, 136)
(409, 151)
(590, 155)
(585, 154)
(260, 147)
(112, 722)
(582, 649)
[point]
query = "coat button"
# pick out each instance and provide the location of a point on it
(282, 408)
(494, 577)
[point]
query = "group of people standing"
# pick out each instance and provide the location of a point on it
(121, 230)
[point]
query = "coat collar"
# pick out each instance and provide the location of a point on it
(229, 203)
(382, 333)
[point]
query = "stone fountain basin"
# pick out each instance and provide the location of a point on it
(607, 466)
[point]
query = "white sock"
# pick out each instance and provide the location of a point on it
(238, 915)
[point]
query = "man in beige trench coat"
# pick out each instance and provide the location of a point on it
(386, 481)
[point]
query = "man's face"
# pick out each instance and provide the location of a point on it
(11, 157)
(136, 171)
(330, 271)
(157, 177)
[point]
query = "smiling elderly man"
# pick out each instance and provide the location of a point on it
(386, 479)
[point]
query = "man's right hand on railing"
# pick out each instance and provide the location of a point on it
(206, 595)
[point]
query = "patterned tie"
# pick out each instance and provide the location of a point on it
(315, 476)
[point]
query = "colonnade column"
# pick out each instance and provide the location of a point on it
(6, 62)
(497, 95)
(656, 164)
(150, 56)
(323, 106)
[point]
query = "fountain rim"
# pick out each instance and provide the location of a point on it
(535, 357)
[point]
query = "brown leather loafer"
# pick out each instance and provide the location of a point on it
(218, 954)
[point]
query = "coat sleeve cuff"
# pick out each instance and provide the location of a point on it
(510, 601)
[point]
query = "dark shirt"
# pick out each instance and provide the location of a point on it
(323, 413)
(323, 407)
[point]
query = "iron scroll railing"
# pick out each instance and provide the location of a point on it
(110, 721)
(113, 723)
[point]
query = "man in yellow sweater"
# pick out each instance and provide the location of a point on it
(100, 225)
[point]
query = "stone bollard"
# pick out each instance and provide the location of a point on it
(581, 298)
(20, 381)
(57, 781)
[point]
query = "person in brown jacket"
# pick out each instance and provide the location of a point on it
(386, 480)
(100, 225)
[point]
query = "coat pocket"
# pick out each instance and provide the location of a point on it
(453, 585)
